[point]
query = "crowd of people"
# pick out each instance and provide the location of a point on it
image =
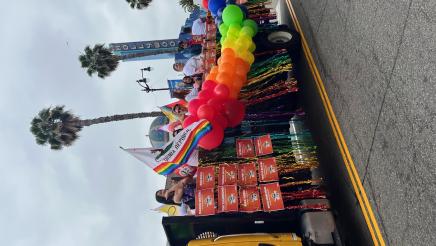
(183, 189)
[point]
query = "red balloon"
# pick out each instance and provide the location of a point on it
(208, 85)
(235, 112)
(221, 120)
(212, 139)
(221, 91)
(189, 120)
(194, 104)
(205, 94)
(205, 4)
(206, 112)
(217, 103)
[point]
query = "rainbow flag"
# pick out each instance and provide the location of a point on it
(178, 151)
(181, 150)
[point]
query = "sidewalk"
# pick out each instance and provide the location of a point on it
(377, 61)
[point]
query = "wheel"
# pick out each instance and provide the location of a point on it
(282, 38)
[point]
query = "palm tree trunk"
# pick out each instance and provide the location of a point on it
(118, 117)
(148, 53)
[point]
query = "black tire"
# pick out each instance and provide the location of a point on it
(282, 38)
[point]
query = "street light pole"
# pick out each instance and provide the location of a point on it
(143, 83)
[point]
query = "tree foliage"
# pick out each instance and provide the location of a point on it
(188, 5)
(98, 60)
(56, 127)
(139, 4)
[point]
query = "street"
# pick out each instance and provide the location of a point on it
(377, 60)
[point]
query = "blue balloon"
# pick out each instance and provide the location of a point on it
(214, 5)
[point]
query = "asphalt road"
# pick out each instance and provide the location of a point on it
(378, 63)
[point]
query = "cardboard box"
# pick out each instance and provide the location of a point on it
(204, 202)
(263, 145)
(271, 197)
(227, 174)
(249, 199)
(227, 198)
(268, 171)
(247, 174)
(245, 148)
(205, 177)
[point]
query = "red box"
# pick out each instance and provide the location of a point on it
(271, 197)
(268, 171)
(247, 174)
(263, 145)
(205, 177)
(204, 202)
(227, 174)
(249, 199)
(228, 198)
(245, 148)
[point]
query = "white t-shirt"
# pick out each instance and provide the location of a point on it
(193, 66)
(198, 27)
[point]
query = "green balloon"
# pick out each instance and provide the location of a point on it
(247, 31)
(252, 24)
(234, 29)
(232, 14)
(222, 40)
(223, 29)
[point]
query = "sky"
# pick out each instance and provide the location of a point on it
(91, 193)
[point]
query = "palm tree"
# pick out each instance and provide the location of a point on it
(60, 128)
(139, 4)
(188, 5)
(102, 61)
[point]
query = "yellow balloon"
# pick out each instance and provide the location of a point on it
(252, 47)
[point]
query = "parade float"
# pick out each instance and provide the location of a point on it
(270, 166)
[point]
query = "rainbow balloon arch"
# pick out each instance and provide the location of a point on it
(218, 102)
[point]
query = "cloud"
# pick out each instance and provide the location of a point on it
(91, 193)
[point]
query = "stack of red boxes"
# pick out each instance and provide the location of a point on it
(246, 177)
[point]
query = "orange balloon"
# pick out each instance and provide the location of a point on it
(241, 67)
(224, 78)
(228, 52)
(214, 70)
(211, 76)
(226, 67)
(239, 81)
(228, 58)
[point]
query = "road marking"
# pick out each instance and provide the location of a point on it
(359, 190)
